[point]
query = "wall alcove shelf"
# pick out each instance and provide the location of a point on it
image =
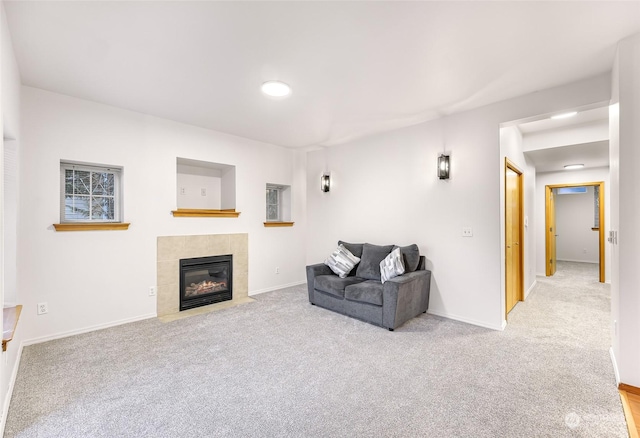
(278, 224)
(10, 317)
(197, 212)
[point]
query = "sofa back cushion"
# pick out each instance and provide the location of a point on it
(410, 257)
(372, 255)
(354, 248)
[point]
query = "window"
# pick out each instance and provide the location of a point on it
(90, 193)
(278, 203)
(274, 203)
(571, 190)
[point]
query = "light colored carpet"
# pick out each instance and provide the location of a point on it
(279, 367)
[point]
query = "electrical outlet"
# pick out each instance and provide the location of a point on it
(183, 191)
(467, 232)
(153, 290)
(277, 270)
(203, 192)
(584, 251)
(43, 308)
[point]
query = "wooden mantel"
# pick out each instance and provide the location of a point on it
(10, 317)
(198, 212)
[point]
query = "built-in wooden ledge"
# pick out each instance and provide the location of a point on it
(197, 212)
(595, 229)
(9, 323)
(278, 224)
(91, 226)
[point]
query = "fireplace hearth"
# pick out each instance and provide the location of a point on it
(205, 280)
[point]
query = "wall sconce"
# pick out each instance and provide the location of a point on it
(325, 182)
(443, 166)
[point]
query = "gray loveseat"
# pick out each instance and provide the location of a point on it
(362, 295)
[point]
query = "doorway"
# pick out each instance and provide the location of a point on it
(514, 242)
(551, 231)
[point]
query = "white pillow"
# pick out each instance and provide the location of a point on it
(391, 266)
(341, 261)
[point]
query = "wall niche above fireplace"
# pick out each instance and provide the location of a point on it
(205, 188)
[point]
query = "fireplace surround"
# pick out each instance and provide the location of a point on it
(172, 249)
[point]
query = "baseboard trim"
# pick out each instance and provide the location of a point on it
(629, 388)
(12, 382)
(577, 261)
(87, 329)
(271, 289)
(467, 320)
(526, 294)
(615, 365)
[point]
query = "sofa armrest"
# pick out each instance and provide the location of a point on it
(405, 297)
(312, 272)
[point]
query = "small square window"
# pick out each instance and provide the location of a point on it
(90, 193)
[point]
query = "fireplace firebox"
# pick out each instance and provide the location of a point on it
(205, 280)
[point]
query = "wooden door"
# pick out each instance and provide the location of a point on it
(551, 231)
(513, 236)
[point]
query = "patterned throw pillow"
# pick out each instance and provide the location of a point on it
(341, 261)
(391, 266)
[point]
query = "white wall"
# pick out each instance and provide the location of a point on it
(384, 189)
(575, 134)
(576, 241)
(10, 120)
(192, 180)
(570, 177)
(625, 179)
(88, 288)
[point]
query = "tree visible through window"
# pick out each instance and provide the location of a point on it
(90, 194)
(273, 203)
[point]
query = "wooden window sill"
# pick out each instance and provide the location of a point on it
(91, 226)
(197, 212)
(595, 229)
(9, 323)
(278, 224)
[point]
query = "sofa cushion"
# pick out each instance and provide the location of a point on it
(334, 285)
(355, 248)
(411, 256)
(369, 291)
(341, 261)
(372, 255)
(391, 266)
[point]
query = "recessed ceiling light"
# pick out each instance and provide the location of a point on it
(276, 89)
(564, 115)
(573, 166)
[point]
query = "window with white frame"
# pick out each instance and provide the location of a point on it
(90, 193)
(278, 203)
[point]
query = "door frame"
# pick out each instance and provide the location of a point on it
(510, 165)
(547, 192)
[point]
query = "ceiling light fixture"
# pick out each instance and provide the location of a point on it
(276, 89)
(564, 115)
(573, 166)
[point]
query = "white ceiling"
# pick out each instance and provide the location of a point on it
(355, 68)
(592, 155)
(554, 158)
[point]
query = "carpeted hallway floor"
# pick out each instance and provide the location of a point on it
(280, 367)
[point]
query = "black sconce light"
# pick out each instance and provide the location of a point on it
(443, 166)
(325, 182)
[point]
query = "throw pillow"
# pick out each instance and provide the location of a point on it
(391, 266)
(341, 261)
(410, 256)
(372, 255)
